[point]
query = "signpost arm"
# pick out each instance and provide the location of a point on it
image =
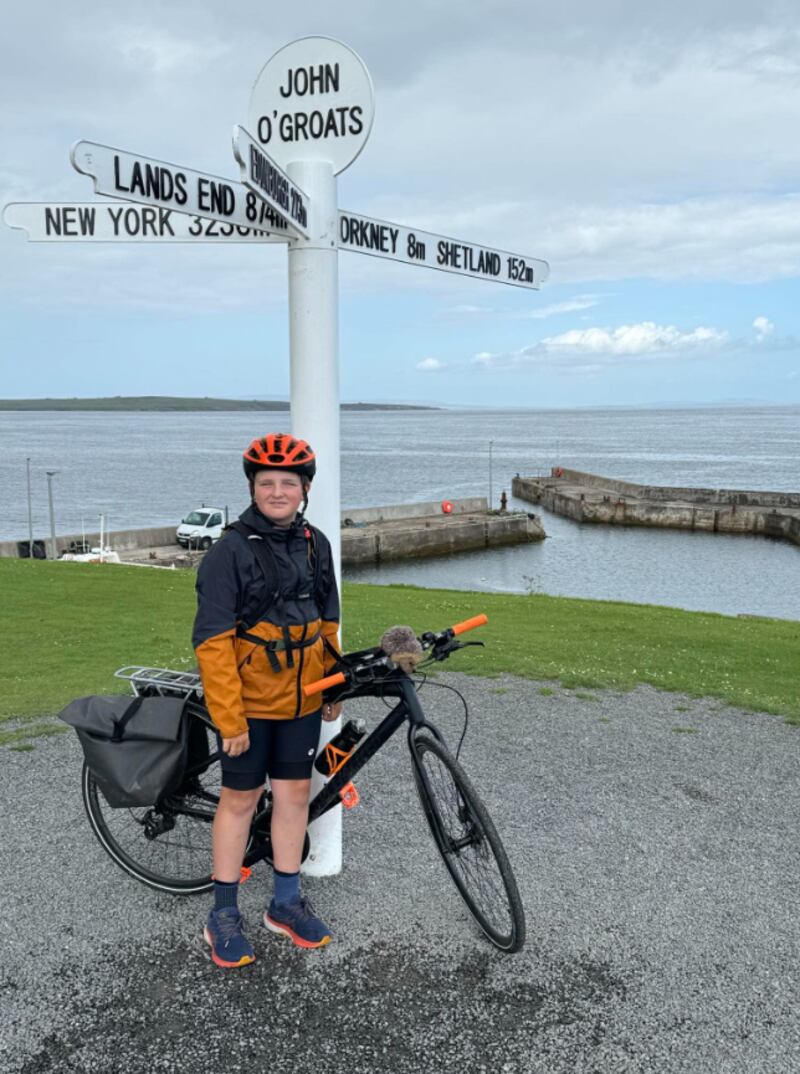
(314, 349)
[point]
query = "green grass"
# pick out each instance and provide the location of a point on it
(685, 730)
(546, 691)
(67, 626)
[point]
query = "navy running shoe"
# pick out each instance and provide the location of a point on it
(299, 922)
(230, 948)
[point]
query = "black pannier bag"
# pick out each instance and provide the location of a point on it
(136, 748)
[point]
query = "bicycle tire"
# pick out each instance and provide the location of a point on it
(157, 860)
(469, 845)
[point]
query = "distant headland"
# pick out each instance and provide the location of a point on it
(178, 402)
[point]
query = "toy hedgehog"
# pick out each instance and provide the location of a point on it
(402, 647)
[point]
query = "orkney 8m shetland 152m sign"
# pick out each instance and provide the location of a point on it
(413, 246)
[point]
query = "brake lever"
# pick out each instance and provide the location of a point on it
(442, 652)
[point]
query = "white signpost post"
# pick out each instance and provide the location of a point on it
(311, 112)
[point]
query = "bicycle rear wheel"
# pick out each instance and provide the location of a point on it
(162, 846)
(469, 844)
(167, 847)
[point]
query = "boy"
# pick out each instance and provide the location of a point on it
(267, 624)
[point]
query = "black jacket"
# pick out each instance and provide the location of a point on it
(233, 599)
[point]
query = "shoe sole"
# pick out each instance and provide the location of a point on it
(298, 941)
(245, 960)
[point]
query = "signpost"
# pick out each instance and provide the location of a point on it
(313, 101)
(416, 247)
(310, 115)
(119, 174)
(263, 176)
(121, 221)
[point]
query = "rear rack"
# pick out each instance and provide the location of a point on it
(186, 683)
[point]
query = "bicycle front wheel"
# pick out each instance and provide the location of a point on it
(469, 844)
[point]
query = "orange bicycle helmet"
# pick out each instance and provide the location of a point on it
(280, 451)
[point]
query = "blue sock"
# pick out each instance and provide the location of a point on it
(287, 887)
(225, 895)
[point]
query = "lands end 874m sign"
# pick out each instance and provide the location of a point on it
(312, 100)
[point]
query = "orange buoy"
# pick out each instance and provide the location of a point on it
(447, 507)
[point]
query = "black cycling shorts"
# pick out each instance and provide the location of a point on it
(280, 749)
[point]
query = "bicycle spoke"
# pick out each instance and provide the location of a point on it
(469, 846)
(485, 882)
(169, 847)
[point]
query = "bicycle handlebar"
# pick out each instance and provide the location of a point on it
(469, 624)
(324, 684)
(428, 640)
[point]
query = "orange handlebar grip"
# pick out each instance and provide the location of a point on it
(323, 684)
(469, 624)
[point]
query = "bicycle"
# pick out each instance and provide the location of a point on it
(168, 846)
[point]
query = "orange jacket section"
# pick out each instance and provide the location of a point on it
(222, 686)
(331, 631)
(239, 683)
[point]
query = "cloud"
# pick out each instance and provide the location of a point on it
(632, 339)
(640, 171)
(165, 53)
(580, 302)
(763, 327)
(465, 309)
(608, 346)
(430, 365)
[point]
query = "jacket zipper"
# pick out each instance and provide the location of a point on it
(300, 670)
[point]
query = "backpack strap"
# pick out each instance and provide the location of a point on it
(265, 557)
(320, 562)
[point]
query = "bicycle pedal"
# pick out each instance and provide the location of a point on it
(350, 796)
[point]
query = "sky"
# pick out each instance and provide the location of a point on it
(647, 151)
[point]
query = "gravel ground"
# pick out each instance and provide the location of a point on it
(654, 841)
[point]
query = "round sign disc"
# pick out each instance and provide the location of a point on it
(313, 100)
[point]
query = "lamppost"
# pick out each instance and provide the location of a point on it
(491, 493)
(30, 511)
(50, 475)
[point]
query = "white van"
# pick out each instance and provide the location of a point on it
(201, 528)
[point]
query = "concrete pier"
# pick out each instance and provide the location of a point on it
(369, 534)
(118, 540)
(586, 497)
(407, 531)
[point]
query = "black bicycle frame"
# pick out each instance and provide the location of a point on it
(407, 708)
